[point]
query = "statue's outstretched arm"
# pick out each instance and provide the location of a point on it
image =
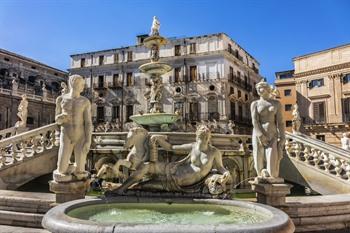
(87, 125)
(161, 140)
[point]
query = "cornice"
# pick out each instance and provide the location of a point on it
(323, 70)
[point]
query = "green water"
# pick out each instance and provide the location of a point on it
(159, 213)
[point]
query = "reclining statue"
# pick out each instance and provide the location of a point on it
(187, 175)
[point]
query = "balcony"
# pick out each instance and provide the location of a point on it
(100, 85)
(115, 85)
(30, 94)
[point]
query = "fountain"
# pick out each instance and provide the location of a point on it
(161, 195)
(155, 116)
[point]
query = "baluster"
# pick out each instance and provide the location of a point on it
(23, 150)
(51, 140)
(347, 169)
(297, 150)
(288, 147)
(337, 168)
(2, 157)
(307, 154)
(14, 152)
(326, 162)
(34, 147)
(315, 155)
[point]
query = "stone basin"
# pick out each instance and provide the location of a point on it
(133, 215)
(155, 68)
(154, 119)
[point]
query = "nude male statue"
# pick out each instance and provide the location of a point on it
(179, 175)
(73, 114)
(268, 132)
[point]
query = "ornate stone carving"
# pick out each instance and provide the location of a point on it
(73, 114)
(268, 132)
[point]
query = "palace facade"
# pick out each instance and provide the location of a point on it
(41, 83)
(212, 78)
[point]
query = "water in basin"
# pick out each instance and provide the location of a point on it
(160, 213)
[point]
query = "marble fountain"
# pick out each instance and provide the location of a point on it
(155, 195)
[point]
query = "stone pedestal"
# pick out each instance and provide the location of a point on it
(270, 191)
(69, 191)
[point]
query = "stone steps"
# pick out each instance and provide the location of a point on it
(24, 209)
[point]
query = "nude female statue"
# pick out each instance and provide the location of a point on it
(268, 132)
(176, 176)
(73, 114)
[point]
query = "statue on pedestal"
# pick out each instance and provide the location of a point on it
(44, 91)
(231, 127)
(14, 85)
(73, 114)
(268, 132)
(22, 112)
(155, 27)
(296, 122)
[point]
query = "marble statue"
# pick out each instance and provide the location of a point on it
(14, 85)
(345, 142)
(22, 112)
(296, 121)
(268, 132)
(155, 27)
(44, 91)
(231, 127)
(64, 88)
(154, 53)
(73, 114)
(184, 175)
(274, 92)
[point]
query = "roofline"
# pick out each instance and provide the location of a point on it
(179, 38)
(321, 51)
(31, 60)
(284, 71)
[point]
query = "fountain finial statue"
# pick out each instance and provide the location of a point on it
(73, 114)
(155, 27)
(268, 132)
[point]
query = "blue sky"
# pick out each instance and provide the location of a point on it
(273, 31)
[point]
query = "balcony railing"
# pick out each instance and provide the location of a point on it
(29, 93)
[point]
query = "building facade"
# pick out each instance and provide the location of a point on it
(41, 83)
(285, 85)
(212, 78)
(322, 84)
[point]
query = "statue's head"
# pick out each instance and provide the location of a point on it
(24, 97)
(76, 82)
(134, 134)
(263, 89)
(203, 133)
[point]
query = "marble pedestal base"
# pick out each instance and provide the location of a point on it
(270, 191)
(69, 191)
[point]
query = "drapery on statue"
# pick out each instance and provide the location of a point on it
(73, 114)
(184, 175)
(22, 112)
(155, 27)
(296, 122)
(268, 132)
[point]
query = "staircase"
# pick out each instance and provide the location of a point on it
(312, 163)
(25, 209)
(28, 155)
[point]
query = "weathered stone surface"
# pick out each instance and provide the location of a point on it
(68, 191)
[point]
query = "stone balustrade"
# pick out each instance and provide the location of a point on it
(29, 94)
(19, 147)
(321, 156)
(9, 132)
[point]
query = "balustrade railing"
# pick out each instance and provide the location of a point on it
(29, 93)
(17, 148)
(5, 133)
(328, 158)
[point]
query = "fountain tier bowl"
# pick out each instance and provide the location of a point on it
(154, 119)
(134, 215)
(155, 68)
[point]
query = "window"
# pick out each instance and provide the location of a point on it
(115, 112)
(101, 60)
(116, 58)
(115, 80)
(288, 107)
(229, 49)
(232, 90)
(30, 120)
(321, 137)
(194, 110)
(100, 81)
(129, 79)
(319, 112)
(346, 109)
(240, 112)
(6, 59)
(193, 48)
(231, 74)
(213, 112)
(346, 79)
(287, 92)
(316, 83)
(233, 110)
(100, 114)
(33, 67)
(129, 112)
(129, 55)
(193, 73)
(239, 94)
(177, 74)
(288, 123)
(82, 62)
(246, 97)
(177, 50)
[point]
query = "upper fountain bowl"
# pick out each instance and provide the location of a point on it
(155, 68)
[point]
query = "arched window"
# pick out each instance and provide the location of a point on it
(213, 112)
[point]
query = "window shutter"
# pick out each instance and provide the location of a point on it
(316, 112)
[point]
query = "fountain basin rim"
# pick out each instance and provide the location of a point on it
(155, 118)
(57, 220)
